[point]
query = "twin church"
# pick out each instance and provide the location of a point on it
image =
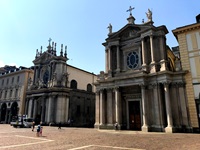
(142, 87)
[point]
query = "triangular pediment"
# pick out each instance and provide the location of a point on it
(129, 31)
(44, 58)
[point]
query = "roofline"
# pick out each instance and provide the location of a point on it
(17, 72)
(185, 28)
(81, 70)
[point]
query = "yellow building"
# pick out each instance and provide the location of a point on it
(189, 45)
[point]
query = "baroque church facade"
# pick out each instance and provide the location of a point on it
(143, 86)
(57, 93)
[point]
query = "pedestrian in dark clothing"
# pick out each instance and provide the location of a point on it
(38, 130)
(33, 126)
(59, 125)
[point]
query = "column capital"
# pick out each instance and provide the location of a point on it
(166, 83)
(116, 88)
(142, 85)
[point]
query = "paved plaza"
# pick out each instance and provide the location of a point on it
(93, 139)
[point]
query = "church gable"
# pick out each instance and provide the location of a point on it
(44, 58)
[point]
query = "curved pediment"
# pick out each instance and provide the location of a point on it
(45, 58)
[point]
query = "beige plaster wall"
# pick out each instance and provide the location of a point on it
(82, 77)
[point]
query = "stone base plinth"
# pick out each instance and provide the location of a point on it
(145, 129)
(169, 130)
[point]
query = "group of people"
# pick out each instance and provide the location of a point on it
(39, 129)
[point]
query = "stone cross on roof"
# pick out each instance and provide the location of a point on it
(49, 40)
(130, 9)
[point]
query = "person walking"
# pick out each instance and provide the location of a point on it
(59, 125)
(38, 130)
(41, 129)
(33, 126)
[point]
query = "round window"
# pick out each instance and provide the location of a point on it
(132, 60)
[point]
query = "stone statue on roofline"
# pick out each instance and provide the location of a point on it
(110, 28)
(149, 15)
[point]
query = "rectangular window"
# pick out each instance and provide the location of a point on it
(7, 81)
(1, 94)
(10, 93)
(16, 93)
(3, 82)
(17, 79)
(5, 94)
(12, 80)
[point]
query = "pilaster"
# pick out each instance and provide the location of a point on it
(109, 108)
(102, 107)
(169, 128)
(145, 127)
(118, 107)
(118, 59)
(97, 110)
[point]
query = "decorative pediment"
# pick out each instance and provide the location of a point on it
(45, 58)
(126, 32)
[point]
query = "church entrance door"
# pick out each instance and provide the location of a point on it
(134, 115)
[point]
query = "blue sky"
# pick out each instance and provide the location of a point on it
(81, 25)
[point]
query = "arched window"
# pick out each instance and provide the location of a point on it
(73, 84)
(89, 88)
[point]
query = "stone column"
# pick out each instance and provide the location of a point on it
(30, 106)
(34, 74)
(43, 109)
(35, 108)
(97, 110)
(161, 107)
(152, 49)
(109, 59)
(169, 127)
(144, 63)
(118, 59)
(106, 59)
(117, 106)
(109, 108)
(50, 117)
(153, 63)
(26, 106)
(163, 54)
(156, 101)
(145, 127)
(102, 107)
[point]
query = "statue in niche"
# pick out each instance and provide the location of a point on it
(149, 15)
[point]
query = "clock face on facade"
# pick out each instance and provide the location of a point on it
(132, 60)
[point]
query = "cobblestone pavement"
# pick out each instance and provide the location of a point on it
(93, 139)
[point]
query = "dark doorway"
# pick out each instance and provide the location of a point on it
(134, 115)
(3, 112)
(14, 109)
